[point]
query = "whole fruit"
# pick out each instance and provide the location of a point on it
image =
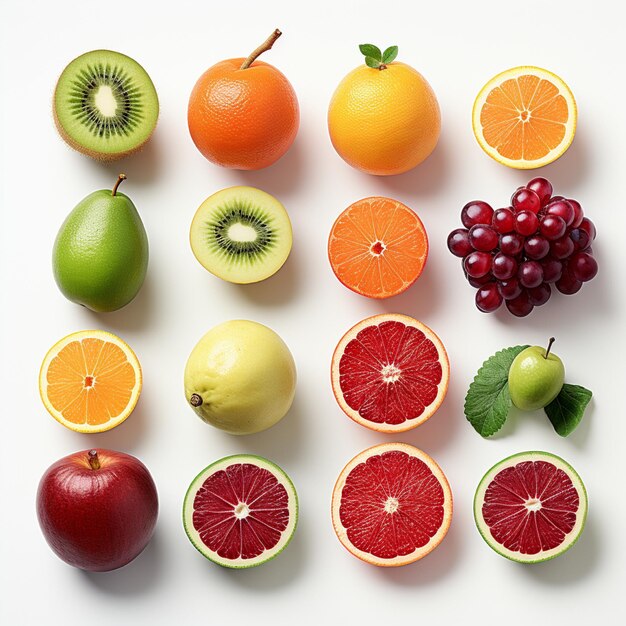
(536, 377)
(100, 255)
(240, 377)
(97, 508)
(384, 117)
(243, 113)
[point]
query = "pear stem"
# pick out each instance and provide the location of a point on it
(94, 461)
(548, 348)
(195, 400)
(264, 47)
(120, 178)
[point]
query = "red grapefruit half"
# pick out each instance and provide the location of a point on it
(391, 505)
(240, 511)
(390, 373)
(531, 507)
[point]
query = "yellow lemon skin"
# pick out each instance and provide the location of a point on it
(384, 122)
(240, 377)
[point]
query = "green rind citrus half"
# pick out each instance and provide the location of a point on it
(571, 537)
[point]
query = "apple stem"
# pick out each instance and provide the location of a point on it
(195, 400)
(94, 461)
(548, 348)
(264, 47)
(120, 178)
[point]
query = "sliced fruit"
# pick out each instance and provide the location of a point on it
(90, 381)
(390, 373)
(240, 511)
(105, 105)
(531, 507)
(241, 234)
(525, 117)
(378, 247)
(392, 505)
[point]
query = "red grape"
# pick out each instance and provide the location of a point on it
(479, 282)
(530, 274)
(459, 243)
(526, 223)
(552, 269)
(580, 238)
(477, 264)
(562, 248)
(526, 200)
(511, 244)
(568, 283)
(588, 227)
(509, 289)
(488, 299)
(552, 227)
(503, 266)
(476, 212)
(540, 295)
(542, 188)
(583, 266)
(578, 213)
(503, 221)
(536, 247)
(520, 306)
(562, 209)
(483, 238)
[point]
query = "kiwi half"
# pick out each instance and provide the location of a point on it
(105, 105)
(241, 234)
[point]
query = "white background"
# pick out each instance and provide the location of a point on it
(457, 47)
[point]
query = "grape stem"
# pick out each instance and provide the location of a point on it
(120, 178)
(264, 47)
(548, 348)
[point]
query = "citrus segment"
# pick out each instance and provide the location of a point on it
(378, 247)
(391, 505)
(525, 117)
(530, 507)
(240, 511)
(90, 381)
(390, 373)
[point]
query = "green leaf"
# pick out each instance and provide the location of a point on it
(568, 408)
(390, 54)
(370, 62)
(369, 50)
(488, 401)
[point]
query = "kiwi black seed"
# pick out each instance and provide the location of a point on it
(241, 234)
(105, 105)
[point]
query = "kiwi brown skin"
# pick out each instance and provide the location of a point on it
(105, 157)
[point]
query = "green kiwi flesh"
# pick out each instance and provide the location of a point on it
(241, 234)
(105, 105)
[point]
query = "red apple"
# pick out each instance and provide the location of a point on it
(97, 508)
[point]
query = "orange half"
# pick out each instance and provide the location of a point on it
(378, 247)
(525, 117)
(90, 381)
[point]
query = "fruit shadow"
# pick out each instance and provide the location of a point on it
(426, 179)
(433, 567)
(141, 168)
(578, 563)
(139, 576)
(282, 179)
(136, 315)
(278, 289)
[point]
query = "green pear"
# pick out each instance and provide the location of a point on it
(100, 255)
(535, 378)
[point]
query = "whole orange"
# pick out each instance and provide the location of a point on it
(384, 117)
(243, 113)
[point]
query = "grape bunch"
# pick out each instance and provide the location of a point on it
(515, 254)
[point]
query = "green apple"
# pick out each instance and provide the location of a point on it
(240, 377)
(535, 378)
(100, 255)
